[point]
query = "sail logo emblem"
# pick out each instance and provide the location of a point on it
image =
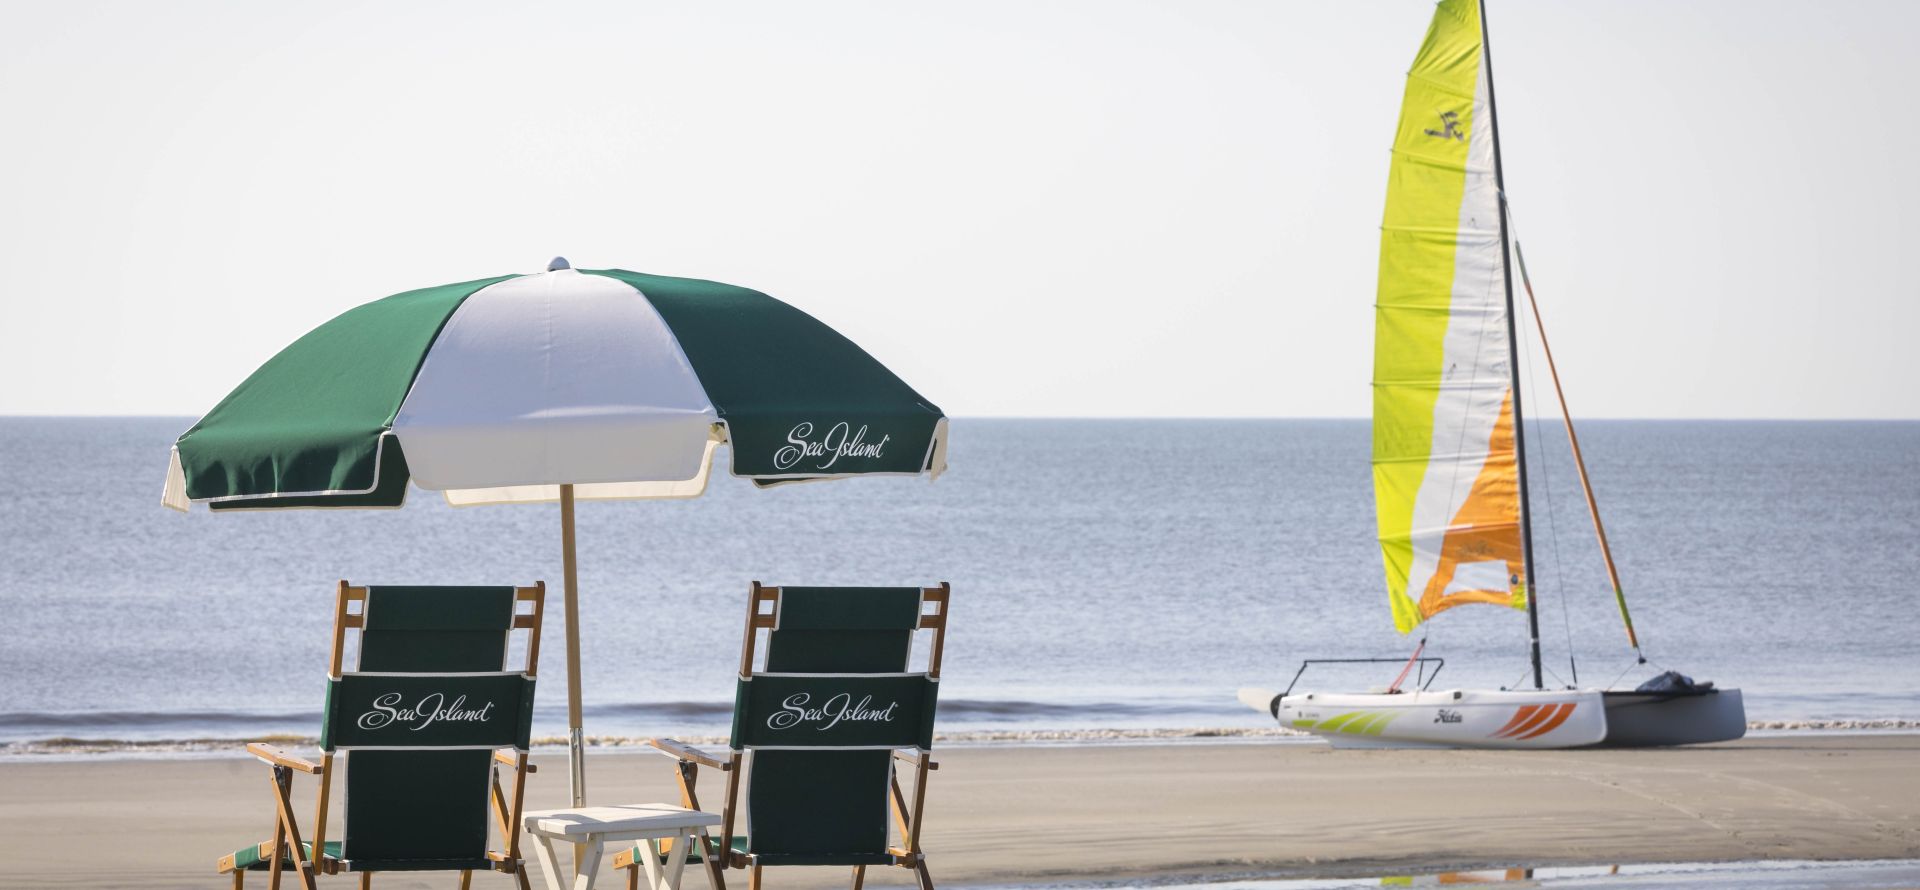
(1450, 127)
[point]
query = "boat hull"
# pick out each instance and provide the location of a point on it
(1451, 718)
(1652, 720)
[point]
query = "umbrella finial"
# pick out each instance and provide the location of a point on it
(558, 263)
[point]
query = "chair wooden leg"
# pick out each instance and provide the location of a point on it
(859, 876)
(920, 869)
(366, 880)
(633, 876)
(466, 878)
(520, 874)
(239, 879)
(716, 863)
(279, 850)
(753, 877)
(287, 836)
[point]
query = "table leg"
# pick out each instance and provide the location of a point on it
(549, 863)
(587, 867)
(651, 853)
(677, 863)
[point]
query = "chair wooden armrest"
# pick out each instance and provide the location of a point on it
(683, 751)
(273, 755)
(509, 756)
(911, 756)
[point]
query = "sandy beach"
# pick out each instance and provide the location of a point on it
(1025, 814)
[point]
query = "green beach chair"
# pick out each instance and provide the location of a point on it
(426, 721)
(818, 726)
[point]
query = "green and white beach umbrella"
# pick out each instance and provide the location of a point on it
(595, 384)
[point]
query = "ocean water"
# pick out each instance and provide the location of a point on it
(1108, 575)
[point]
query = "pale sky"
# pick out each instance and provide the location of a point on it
(1025, 208)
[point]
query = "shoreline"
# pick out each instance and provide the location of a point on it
(1026, 815)
(1678, 872)
(80, 749)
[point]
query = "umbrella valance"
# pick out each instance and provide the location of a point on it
(502, 389)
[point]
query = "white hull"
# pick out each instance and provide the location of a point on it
(1450, 718)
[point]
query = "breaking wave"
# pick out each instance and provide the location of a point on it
(73, 746)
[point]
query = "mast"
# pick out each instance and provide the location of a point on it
(1513, 367)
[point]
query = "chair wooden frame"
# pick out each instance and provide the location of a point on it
(718, 854)
(307, 864)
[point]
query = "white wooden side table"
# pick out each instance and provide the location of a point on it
(590, 828)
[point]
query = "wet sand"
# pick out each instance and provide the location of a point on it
(1028, 814)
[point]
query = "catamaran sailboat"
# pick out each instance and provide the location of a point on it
(1449, 447)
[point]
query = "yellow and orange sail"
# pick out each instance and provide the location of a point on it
(1445, 479)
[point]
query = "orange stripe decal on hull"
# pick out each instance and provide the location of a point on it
(1539, 716)
(1518, 717)
(1553, 722)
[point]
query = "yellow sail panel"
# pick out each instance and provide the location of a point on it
(1445, 480)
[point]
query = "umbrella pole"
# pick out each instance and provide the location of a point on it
(571, 575)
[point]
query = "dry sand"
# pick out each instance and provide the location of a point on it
(1014, 814)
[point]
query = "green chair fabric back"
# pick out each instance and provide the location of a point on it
(420, 718)
(823, 719)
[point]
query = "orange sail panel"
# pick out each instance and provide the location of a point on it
(1480, 554)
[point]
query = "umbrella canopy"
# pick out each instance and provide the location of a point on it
(592, 383)
(501, 389)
